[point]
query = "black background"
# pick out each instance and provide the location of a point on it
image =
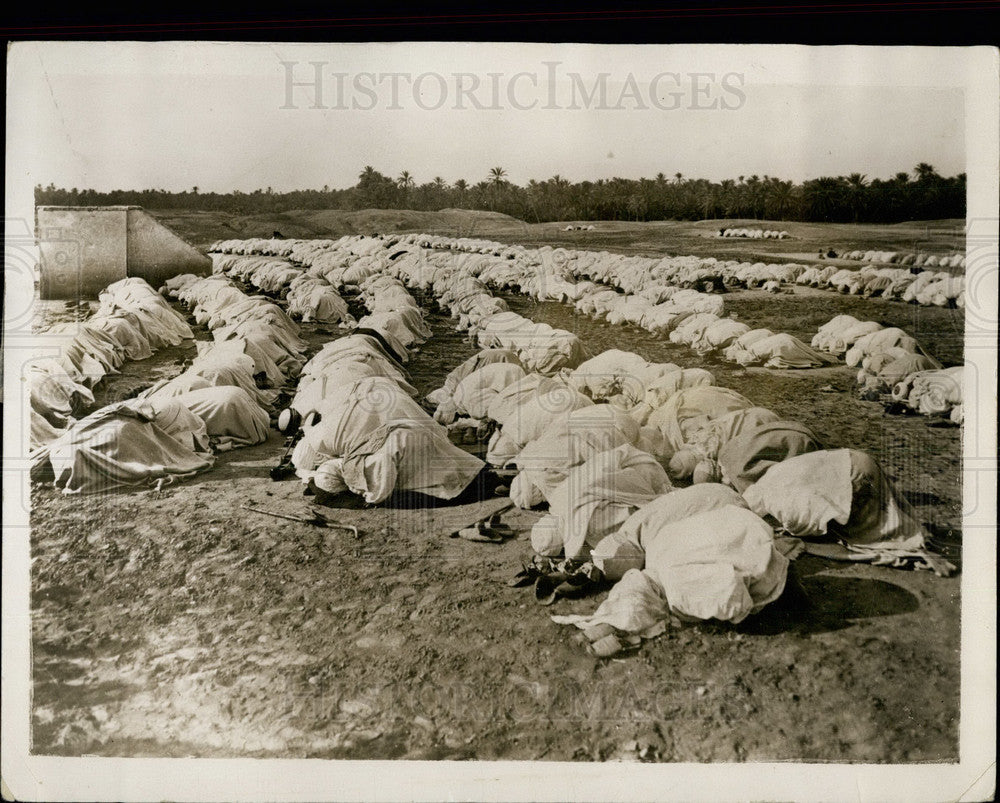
(960, 22)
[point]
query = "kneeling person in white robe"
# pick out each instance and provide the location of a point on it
(401, 456)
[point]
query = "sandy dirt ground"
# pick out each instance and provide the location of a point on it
(178, 623)
(622, 236)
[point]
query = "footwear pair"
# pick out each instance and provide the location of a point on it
(479, 531)
(282, 471)
(555, 579)
(526, 577)
(552, 586)
(540, 566)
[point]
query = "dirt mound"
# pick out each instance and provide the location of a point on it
(472, 223)
(203, 228)
(479, 214)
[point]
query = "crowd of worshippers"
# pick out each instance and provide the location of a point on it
(223, 399)
(686, 495)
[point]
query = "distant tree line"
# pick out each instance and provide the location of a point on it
(842, 199)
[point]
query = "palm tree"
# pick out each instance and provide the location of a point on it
(729, 201)
(496, 182)
(856, 193)
(821, 197)
(753, 194)
(558, 200)
(497, 176)
(405, 180)
(702, 199)
(636, 205)
(533, 193)
(558, 184)
(781, 197)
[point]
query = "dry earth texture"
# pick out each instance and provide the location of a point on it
(177, 623)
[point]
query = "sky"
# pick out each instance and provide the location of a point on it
(225, 116)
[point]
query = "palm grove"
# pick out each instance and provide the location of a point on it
(920, 195)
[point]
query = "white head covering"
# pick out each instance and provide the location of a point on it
(705, 471)
(329, 476)
(683, 463)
